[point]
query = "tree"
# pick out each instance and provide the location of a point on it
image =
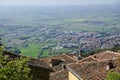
(116, 48)
(16, 69)
(113, 76)
(17, 51)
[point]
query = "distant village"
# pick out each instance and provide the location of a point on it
(84, 40)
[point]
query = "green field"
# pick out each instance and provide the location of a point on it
(33, 50)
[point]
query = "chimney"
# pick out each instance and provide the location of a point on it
(50, 60)
(50, 64)
(80, 54)
(110, 66)
(64, 66)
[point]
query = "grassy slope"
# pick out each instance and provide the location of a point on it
(32, 51)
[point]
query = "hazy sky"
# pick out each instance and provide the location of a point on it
(57, 2)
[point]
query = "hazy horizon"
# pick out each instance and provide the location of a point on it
(56, 2)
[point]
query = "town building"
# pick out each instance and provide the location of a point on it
(95, 67)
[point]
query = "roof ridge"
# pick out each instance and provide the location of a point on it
(33, 61)
(71, 57)
(89, 61)
(113, 52)
(56, 72)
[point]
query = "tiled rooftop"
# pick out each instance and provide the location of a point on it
(106, 55)
(95, 70)
(95, 67)
(64, 58)
(61, 75)
(88, 59)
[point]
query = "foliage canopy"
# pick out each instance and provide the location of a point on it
(16, 69)
(113, 76)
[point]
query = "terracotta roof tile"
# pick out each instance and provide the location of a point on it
(65, 60)
(61, 75)
(95, 70)
(106, 55)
